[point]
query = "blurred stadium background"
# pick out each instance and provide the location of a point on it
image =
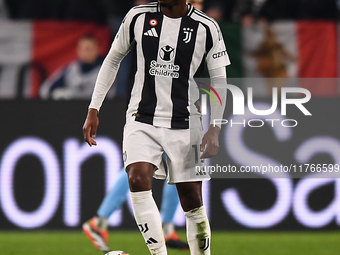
(51, 181)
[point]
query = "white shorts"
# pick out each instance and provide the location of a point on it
(146, 143)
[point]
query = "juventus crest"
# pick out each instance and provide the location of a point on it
(188, 33)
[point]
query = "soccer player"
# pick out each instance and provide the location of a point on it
(96, 229)
(161, 115)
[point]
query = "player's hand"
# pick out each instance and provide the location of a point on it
(210, 144)
(90, 127)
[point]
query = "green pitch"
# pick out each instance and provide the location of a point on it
(223, 243)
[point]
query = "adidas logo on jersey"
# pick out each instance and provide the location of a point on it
(152, 32)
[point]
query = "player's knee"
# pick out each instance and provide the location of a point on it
(140, 178)
(138, 183)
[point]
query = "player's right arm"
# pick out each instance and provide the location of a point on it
(90, 127)
(106, 76)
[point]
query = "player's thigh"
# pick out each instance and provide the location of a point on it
(183, 151)
(141, 144)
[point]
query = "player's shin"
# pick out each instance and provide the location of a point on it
(149, 221)
(198, 231)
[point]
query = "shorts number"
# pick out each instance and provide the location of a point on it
(195, 147)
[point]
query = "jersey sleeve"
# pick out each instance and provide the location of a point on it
(124, 37)
(217, 55)
(109, 69)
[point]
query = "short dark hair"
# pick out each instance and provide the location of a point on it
(88, 37)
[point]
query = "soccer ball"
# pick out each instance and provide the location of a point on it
(117, 253)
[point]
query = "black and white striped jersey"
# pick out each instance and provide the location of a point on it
(170, 52)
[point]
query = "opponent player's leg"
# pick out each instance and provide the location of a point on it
(116, 196)
(144, 207)
(96, 229)
(169, 205)
(197, 223)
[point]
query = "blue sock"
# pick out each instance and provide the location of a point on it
(116, 197)
(170, 202)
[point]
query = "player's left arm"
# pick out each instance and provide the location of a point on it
(210, 143)
(217, 59)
